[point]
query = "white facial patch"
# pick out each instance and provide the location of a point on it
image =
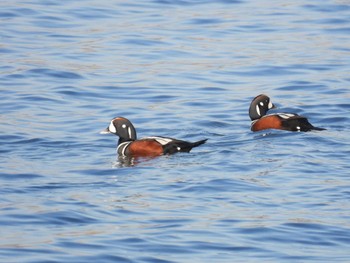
(112, 128)
(124, 126)
(270, 105)
(261, 103)
(258, 110)
(129, 131)
(178, 148)
(298, 128)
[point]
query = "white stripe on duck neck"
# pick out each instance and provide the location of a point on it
(122, 148)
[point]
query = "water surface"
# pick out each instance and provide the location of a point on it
(185, 69)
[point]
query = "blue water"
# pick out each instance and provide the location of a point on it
(186, 69)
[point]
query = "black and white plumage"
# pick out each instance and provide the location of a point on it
(282, 121)
(129, 145)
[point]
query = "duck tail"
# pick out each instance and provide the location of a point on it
(317, 128)
(188, 147)
(195, 144)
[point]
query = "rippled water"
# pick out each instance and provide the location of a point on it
(186, 69)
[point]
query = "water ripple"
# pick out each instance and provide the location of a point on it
(53, 73)
(187, 69)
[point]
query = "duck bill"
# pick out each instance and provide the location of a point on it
(105, 131)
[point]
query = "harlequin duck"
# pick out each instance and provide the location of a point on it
(281, 121)
(128, 144)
